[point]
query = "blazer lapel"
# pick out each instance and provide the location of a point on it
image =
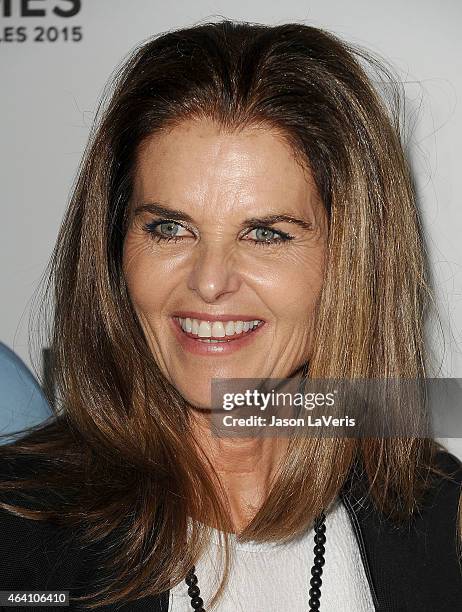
(411, 566)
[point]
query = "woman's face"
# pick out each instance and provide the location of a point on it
(201, 261)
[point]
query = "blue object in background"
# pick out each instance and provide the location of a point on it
(22, 402)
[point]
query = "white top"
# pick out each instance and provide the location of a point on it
(266, 577)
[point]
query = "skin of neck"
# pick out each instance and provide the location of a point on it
(245, 466)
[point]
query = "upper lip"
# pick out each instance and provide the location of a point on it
(204, 316)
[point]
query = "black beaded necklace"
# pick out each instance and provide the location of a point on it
(316, 571)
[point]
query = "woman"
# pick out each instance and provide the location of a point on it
(248, 181)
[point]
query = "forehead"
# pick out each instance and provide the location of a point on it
(197, 162)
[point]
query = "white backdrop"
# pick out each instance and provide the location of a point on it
(53, 70)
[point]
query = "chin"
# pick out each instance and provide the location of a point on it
(199, 399)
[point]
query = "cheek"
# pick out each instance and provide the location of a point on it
(146, 280)
(294, 286)
(307, 281)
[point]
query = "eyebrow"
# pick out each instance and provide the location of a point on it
(178, 215)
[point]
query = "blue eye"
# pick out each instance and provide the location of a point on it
(166, 230)
(267, 234)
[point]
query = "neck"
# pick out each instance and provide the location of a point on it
(246, 467)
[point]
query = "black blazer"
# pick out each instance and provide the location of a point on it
(414, 568)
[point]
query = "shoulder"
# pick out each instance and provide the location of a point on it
(450, 465)
(425, 549)
(442, 498)
(34, 554)
(44, 556)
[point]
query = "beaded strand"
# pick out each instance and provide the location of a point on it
(316, 571)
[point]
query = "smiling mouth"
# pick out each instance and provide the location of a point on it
(217, 331)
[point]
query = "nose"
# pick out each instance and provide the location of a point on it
(213, 273)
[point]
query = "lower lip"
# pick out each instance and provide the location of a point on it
(192, 345)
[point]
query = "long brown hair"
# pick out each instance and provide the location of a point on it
(121, 443)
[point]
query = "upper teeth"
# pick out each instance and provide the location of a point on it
(217, 329)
